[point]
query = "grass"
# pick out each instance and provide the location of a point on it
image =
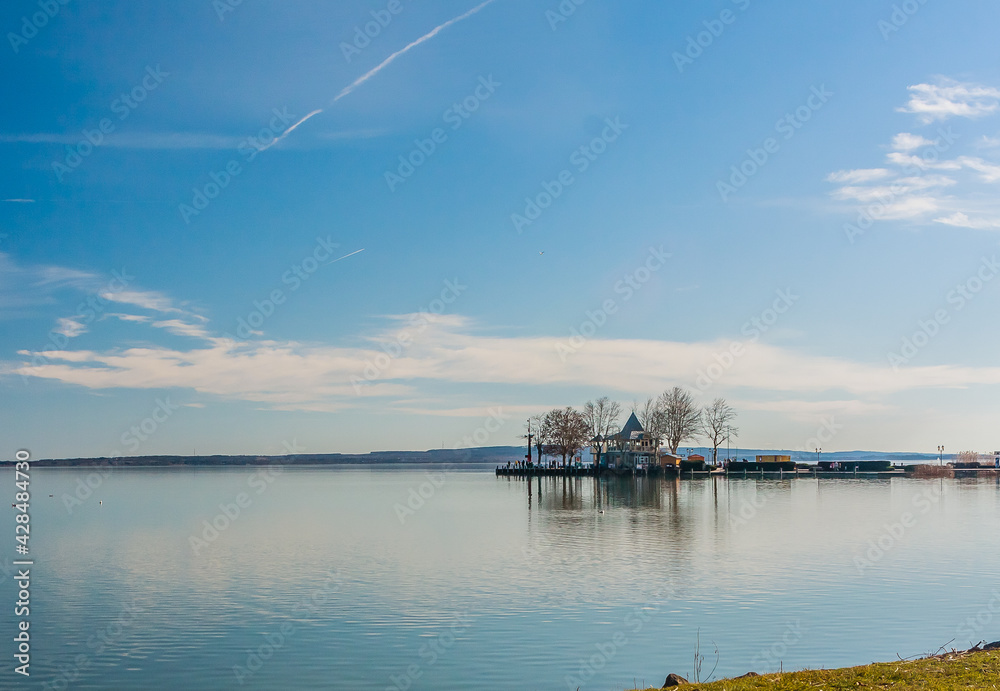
(948, 672)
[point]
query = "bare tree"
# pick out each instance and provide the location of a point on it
(648, 414)
(715, 425)
(539, 433)
(681, 418)
(566, 431)
(602, 419)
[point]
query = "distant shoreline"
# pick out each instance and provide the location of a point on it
(247, 461)
(496, 455)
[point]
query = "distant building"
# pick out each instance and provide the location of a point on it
(630, 448)
(668, 460)
(696, 457)
(773, 458)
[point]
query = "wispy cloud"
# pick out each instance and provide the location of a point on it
(291, 129)
(452, 351)
(69, 327)
(183, 328)
(849, 177)
(176, 140)
(426, 37)
(925, 180)
(960, 219)
(904, 141)
(948, 98)
(20, 201)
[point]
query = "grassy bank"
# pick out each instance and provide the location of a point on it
(950, 672)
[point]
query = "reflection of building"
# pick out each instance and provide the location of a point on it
(629, 448)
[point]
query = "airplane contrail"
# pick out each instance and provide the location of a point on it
(345, 256)
(431, 34)
(289, 130)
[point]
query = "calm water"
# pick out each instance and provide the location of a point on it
(487, 586)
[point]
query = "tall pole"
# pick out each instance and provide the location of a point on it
(529, 441)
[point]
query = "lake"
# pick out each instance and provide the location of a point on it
(413, 578)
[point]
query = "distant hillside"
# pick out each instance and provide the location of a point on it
(492, 455)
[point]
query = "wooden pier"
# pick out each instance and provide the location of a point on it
(779, 474)
(584, 471)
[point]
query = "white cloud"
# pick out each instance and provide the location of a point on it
(989, 172)
(426, 37)
(904, 141)
(850, 177)
(960, 219)
(69, 327)
(294, 376)
(949, 98)
(182, 328)
(146, 299)
(924, 177)
(128, 317)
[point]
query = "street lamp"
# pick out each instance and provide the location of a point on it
(818, 452)
(941, 454)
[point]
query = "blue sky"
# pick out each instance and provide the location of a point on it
(792, 205)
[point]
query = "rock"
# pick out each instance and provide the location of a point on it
(749, 674)
(674, 680)
(992, 646)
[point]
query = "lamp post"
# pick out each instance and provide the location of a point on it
(941, 454)
(818, 452)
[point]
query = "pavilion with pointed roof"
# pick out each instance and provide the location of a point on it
(629, 448)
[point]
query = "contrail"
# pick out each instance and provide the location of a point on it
(345, 256)
(289, 130)
(434, 32)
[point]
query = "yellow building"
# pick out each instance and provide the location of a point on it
(774, 459)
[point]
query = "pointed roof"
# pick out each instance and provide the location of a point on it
(631, 426)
